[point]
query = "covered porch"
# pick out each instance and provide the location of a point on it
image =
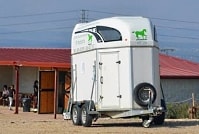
(51, 67)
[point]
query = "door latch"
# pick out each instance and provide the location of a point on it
(118, 62)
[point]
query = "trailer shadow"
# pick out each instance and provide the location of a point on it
(123, 124)
(167, 123)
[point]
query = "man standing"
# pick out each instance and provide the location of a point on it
(11, 93)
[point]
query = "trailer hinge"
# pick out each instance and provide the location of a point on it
(119, 62)
(101, 97)
(119, 96)
(101, 79)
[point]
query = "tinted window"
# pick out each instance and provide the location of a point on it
(109, 34)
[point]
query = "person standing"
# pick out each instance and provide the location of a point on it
(4, 96)
(35, 97)
(11, 93)
(5, 92)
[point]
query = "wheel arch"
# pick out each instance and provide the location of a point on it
(88, 102)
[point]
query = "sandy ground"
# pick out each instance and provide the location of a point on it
(34, 123)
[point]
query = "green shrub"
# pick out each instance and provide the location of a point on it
(177, 111)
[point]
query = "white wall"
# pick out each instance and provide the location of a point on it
(27, 76)
(6, 76)
(176, 90)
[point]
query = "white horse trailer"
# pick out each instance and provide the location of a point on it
(115, 71)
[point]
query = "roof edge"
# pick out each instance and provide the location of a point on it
(35, 64)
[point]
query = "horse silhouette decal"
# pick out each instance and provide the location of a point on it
(140, 35)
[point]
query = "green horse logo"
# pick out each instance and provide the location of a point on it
(140, 35)
(90, 39)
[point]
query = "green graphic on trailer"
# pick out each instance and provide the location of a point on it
(90, 39)
(141, 34)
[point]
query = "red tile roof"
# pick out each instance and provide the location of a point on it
(170, 67)
(35, 57)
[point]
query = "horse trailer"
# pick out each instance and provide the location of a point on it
(115, 71)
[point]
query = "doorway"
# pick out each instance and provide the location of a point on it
(46, 91)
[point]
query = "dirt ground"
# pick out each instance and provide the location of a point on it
(34, 123)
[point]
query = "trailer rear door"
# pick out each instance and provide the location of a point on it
(109, 79)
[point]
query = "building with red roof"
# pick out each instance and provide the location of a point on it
(179, 77)
(33, 57)
(172, 67)
(22, 66)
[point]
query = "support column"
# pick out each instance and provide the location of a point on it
(55, 94)
(17, 88)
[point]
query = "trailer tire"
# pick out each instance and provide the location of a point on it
(86, 118)
(140, 95)
(76, 115)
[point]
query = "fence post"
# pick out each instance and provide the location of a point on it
(193, 109)
(193, 100)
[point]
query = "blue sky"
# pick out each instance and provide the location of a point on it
(49, 23)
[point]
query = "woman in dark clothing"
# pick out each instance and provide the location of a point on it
(11, 94)
(35, 86)
(35, 97)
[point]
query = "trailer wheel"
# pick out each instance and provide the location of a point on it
(147, 121)
(146, 124)
(159, 120)
(86, 119)
(76, 115)
(141, 94)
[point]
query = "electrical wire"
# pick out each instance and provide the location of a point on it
(37, 14)
(155, 18)
(37, 30)
(174, 36)
(178, 28)
(183, 21)
(92, 11)
(111, 13)
(38, 22)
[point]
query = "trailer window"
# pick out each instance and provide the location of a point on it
(109, 34)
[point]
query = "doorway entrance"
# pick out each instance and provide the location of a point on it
(46, 91)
